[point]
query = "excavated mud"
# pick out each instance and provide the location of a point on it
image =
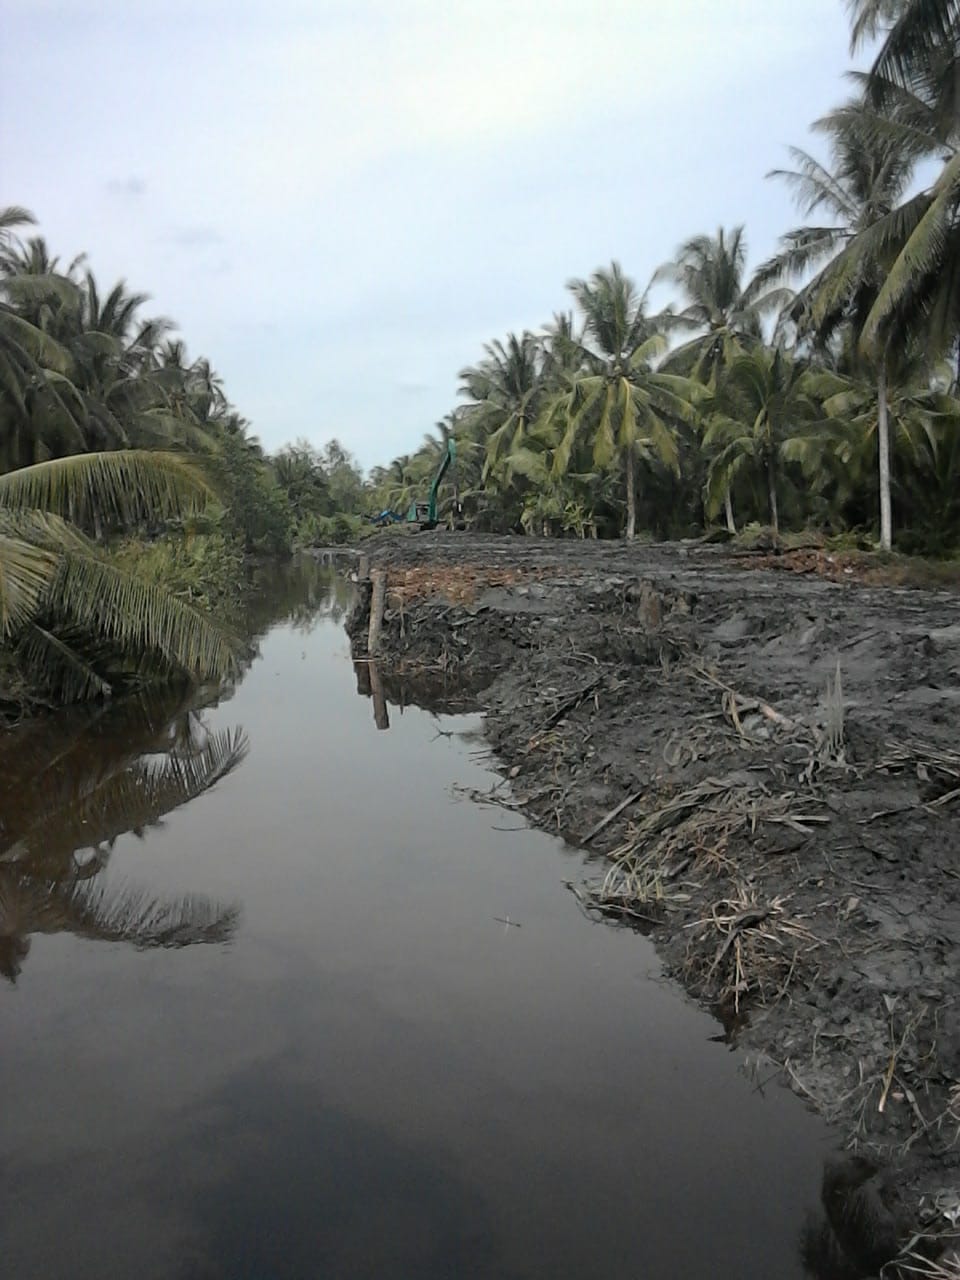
(764, 770)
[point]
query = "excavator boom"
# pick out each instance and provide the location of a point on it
(448, 458)
(425, 513)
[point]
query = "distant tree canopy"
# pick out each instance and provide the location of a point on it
(821, 390)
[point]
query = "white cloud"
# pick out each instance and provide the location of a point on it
(397, 180)
(428, 78)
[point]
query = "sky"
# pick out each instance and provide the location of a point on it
(339, 203)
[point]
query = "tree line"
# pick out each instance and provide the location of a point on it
(819, 391)
(131, 489)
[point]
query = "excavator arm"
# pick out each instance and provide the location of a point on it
(425, 513)
(449, 457)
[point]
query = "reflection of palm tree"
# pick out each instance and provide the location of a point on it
(130, 798)
(68, 790)
(87, 910)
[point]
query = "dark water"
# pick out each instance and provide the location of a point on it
(281, 1034)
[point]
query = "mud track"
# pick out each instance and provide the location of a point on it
(788, 838)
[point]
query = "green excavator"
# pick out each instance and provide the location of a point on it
(424, 514)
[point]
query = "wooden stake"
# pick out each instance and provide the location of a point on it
(377, 599)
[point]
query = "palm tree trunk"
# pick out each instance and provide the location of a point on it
(631, 468)
(772, 488)
(728, 508)
(883, 440)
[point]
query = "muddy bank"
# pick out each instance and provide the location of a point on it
(765, 772)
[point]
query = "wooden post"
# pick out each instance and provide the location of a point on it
(380, 716)
(363, 568)
(377, 599)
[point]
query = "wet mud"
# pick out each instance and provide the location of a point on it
(763, 769)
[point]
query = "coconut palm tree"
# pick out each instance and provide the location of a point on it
(760, 405)
(83, 373)
(503, 394)
(301, 476)
(914, 34)
(932, 487)
(395, 483)
(109, 389)
(33, 365)
(617, 398)
(920, 416)
(869, 175)
(562, 350)
(137, 392)
(32, 258)
(724, 311)
(913, 98)
(207, 387)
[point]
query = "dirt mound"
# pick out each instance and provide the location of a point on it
(765, 773)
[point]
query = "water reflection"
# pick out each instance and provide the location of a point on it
(370, 685)
(300, 593)
(70, 785)
(309, 1190)
(428, 690)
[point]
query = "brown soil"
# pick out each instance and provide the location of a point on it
(866, 568)
(765, 770)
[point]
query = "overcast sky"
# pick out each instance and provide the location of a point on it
(339, 203)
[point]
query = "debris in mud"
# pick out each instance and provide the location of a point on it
(455, 585)
(851, 566)
(763, 769)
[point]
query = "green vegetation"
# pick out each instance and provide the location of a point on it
(75, 623)
(324, 490)
(132, 494)
(105, 433)
(819, 393)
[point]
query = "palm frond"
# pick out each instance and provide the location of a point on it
(920, 29)
(126, 486)
(14, 215)
(92, 593)
(814, 186)
(27, 572)
(923, 248)
(57, 667)
(40, 348)
(33, 289)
